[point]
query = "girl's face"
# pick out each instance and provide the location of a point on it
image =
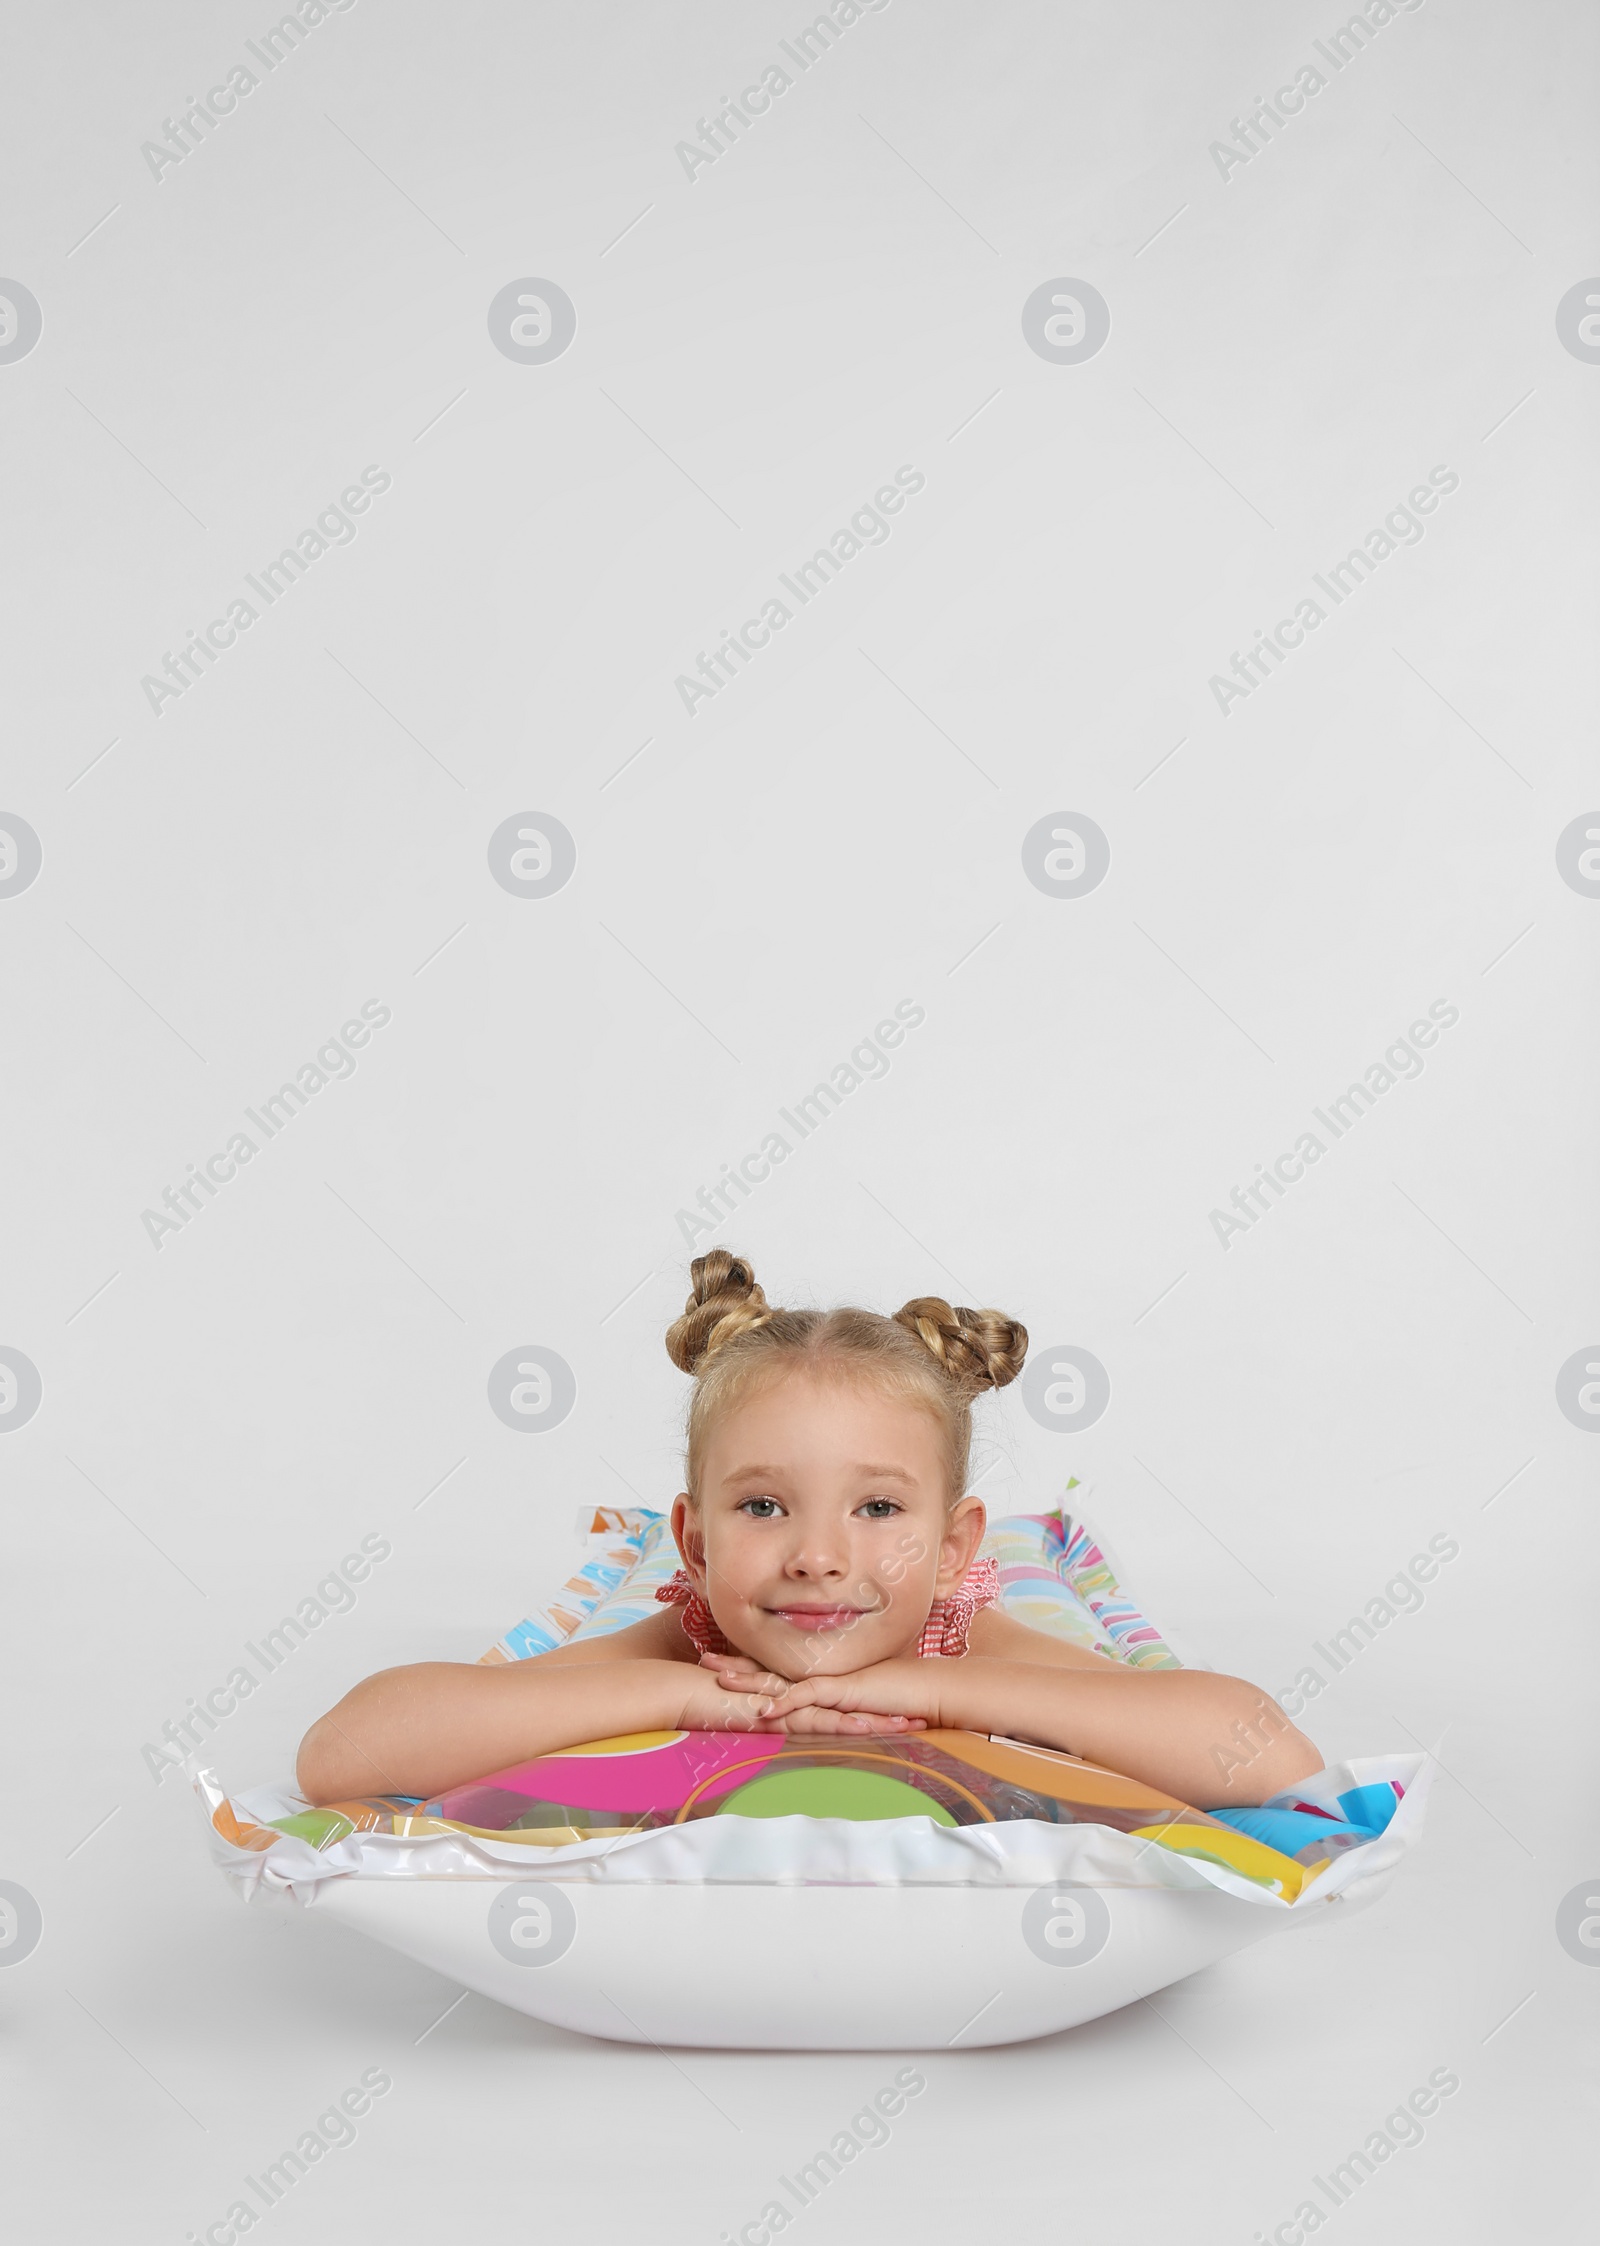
(823, 1533)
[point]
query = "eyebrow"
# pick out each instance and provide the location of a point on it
(776, 1473)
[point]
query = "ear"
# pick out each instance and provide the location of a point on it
(689, 1537)
(963, 1533)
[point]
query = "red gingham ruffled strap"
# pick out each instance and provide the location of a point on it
(699, 1623)
(945, 1631)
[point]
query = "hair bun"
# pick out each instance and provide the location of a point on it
(978, 1348)
(725, 1300)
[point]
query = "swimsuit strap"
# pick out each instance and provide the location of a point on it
(944, 1633)
(698, 1621)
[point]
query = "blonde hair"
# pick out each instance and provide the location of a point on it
(731, 1340)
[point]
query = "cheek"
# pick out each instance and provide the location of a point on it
(908, 1569)
(892, 1634)
(733, 1562)
(904, 1579)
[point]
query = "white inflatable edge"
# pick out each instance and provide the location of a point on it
(825, 1851)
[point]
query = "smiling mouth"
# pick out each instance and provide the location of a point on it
(819, 1618)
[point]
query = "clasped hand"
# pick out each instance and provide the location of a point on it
(887, 1697)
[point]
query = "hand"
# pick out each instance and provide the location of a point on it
(887, 1696)
(742, 1679)
(745, 1703)
(737, 1704)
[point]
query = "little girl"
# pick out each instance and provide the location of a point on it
(830, 1585)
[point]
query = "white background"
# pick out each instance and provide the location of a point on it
(1292, 349)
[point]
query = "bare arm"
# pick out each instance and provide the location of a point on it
(436, 1724)
(1216, 1742)
(1239, 1746)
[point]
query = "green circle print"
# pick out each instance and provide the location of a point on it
(831, 1792)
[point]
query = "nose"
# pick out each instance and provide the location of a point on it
(818, 1555)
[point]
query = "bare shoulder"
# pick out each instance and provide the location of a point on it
(1003, 1638)
(659, 1637)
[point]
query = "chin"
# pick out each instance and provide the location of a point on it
(830, 1654)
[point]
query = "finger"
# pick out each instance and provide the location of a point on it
(834, 1722)
(782, 1711)
(808, 1723)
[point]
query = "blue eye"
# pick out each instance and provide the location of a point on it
(880, 1508)
(749, 1504)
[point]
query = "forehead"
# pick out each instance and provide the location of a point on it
(826, 1418)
